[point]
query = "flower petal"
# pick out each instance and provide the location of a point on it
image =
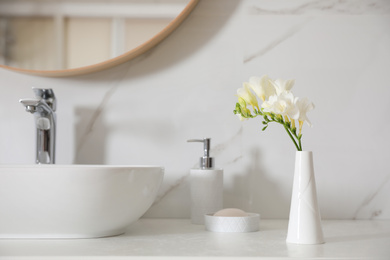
(304, 105)
(283, 86)
(262, 87)
(246, 94)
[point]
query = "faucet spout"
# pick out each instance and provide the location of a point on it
(43, 108)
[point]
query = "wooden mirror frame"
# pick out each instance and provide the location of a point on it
(119, 59)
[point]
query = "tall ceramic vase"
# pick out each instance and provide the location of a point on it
(304, 226)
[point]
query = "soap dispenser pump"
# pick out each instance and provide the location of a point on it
(206, 185)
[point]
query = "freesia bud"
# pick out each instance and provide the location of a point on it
(246, 94)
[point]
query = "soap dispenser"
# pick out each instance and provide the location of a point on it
(206, 185)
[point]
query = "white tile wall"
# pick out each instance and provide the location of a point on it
(142, 112)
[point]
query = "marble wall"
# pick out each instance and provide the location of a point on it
(142, 112)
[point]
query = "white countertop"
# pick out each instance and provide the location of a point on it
(165, 238)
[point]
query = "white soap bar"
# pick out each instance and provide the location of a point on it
(232, 220)
(231, 212)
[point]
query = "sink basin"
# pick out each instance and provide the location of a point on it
(74, 201)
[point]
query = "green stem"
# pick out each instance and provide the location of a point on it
(271, 117)
(292, 138)
(300, 144)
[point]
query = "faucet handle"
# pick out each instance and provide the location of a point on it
(46, 94)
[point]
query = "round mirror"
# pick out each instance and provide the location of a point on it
(57, 38)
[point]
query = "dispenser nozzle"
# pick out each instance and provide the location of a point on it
(206, 162)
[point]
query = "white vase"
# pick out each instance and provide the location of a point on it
(304, 226)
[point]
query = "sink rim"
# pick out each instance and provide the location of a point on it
(115, 195)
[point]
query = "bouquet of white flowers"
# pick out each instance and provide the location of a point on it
(278, 105)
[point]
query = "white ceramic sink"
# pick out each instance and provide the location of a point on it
(74, 201)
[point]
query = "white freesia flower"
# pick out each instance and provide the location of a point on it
(279, 105)
(262, 87)
(283, 104)
(246, 94)
(283, 86)
(274, 105)
(304, 105)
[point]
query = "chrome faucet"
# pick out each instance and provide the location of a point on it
(43, 108)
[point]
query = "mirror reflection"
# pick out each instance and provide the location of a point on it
(65, 34)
